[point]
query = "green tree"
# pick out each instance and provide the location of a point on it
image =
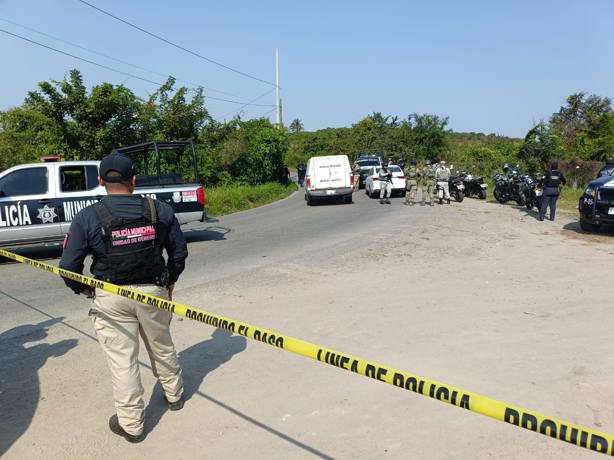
(541, 145)
(88, 126)
(581, 123)
(296, 126)
(428, 135)
(170, 114)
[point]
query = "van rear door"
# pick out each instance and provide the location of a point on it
(338, 175)
(322, 173)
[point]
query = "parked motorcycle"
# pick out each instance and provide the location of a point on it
(457, 188)
(508, 188)
(474, 185)
(532, 189)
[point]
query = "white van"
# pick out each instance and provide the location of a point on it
(329, 177)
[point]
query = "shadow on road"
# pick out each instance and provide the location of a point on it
(19, 380)
(196, 362)
(212, 233)
(604, 234)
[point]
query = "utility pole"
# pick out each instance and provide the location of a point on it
(280, 123)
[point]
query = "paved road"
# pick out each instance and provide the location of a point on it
(218, 248)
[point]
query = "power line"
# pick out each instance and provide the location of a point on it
(115, 70)
(176, 45)
(249, 103)
(115, 59)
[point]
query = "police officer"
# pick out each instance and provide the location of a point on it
(385, 184)
(427, 178)
(356, 173)
(126, 235)
(552, 180)
(411, 184)
(442, 176)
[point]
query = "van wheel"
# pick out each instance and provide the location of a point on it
(347, 199)
(309, 200)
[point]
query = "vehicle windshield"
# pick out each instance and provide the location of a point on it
(368, 162)
(391, 168)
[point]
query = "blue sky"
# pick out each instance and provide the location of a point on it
(489, 66)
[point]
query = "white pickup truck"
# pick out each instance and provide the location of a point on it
(38, 201)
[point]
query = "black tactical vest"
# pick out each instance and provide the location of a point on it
(133, 254)
(555, 178)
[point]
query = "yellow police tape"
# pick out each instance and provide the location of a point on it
(557, 429)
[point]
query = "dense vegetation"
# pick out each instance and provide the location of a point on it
(583, 129)
(64, 117)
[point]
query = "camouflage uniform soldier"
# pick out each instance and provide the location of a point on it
(411, 183)
(356, 172)
(427, 178)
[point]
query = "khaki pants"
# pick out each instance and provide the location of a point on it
(412, 186)
(118, 322)
(428, 192)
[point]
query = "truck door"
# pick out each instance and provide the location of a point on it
(77, 188)
(28, 207)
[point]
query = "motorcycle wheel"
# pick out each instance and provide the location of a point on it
(499, 197)
(521, 201)
(459, 196)
(482, 194)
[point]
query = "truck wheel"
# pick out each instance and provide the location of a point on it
(588, 227)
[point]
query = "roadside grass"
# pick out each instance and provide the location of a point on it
(569, 197)
(233, 198)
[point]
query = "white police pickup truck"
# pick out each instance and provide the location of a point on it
(38, 201)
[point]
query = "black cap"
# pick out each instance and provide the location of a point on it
(116, 162)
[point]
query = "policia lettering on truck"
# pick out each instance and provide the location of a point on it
(556, 429)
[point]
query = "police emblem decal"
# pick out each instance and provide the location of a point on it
(46, 214)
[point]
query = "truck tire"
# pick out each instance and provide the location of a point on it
(588, 227)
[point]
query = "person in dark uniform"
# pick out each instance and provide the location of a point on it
(552, 181)
(126, 236)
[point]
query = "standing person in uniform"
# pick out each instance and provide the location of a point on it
(442, 176)
(412, 175)
(427, 177)
(552, 181)
(356, 173)
(301, 170)
(385, 184)
(108, 230)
